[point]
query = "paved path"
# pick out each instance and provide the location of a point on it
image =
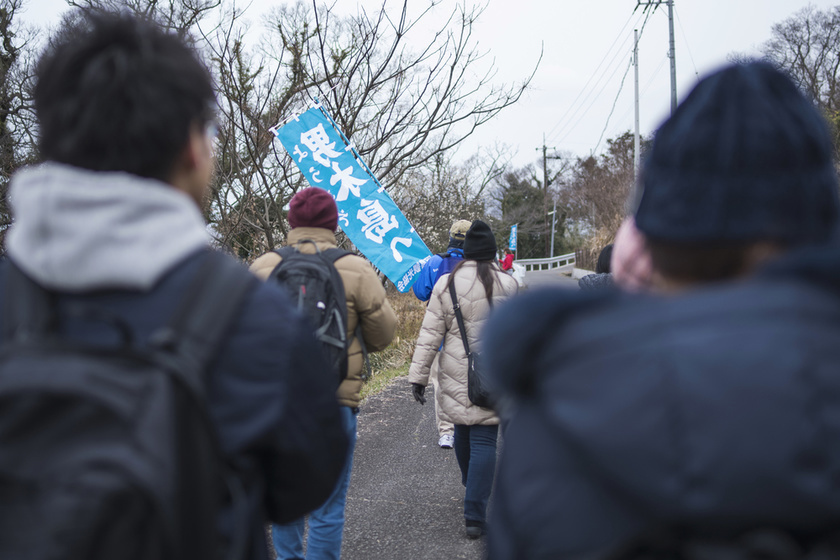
(405, 500)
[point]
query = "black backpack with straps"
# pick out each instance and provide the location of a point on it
(108, 451)
(316, 289)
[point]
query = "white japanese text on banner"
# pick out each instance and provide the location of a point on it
(366, 212)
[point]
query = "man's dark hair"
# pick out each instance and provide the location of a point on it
(115, 92)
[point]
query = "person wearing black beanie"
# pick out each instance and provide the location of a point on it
(741, 173)
(695, 420)
(480, 243)
(478, 284)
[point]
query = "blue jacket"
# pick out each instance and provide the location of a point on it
(434, 268)
(705, 416)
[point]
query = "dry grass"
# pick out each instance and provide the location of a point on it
(591, 248)
(394, 360)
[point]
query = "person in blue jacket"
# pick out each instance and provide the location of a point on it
(697, 420)
(441, 263)
(112, 218)
(435, 267)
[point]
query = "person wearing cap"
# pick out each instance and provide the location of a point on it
(313, 215)
(435, 267)
(441, 263)
(479, 284)
(695, 419)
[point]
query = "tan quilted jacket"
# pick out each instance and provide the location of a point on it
(440, 325)
(366, 303)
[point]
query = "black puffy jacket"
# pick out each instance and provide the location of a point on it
(640, 422)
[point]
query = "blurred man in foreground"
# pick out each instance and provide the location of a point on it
(697, 424)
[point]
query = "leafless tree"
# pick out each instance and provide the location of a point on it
(180, 15)
(404, 105)
(437, 194)
(17, 126)
(600, 187)
(807, 47)
(405, 99)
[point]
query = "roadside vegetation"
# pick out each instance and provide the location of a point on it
(393, 362)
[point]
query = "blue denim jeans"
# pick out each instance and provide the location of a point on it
(475, 449)
(326, 524)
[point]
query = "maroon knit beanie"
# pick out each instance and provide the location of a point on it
(313, 207)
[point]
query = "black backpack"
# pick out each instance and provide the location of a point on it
(316, 289)
(108, 452)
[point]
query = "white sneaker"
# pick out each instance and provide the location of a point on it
(446, 441)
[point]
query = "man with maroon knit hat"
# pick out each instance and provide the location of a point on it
(313, 216)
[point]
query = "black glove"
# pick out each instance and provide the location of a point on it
(417, 390)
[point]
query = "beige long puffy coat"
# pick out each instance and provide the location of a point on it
(440, 325)
(366, 304)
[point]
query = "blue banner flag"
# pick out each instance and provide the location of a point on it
(512, 243)
(366, 212)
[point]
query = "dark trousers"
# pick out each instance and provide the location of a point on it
(475, 449)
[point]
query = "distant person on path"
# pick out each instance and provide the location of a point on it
(110, 227)
(603, 275)
(313, 216)
(479, 284)
(435, 267)
(507, 261)
(697, 423)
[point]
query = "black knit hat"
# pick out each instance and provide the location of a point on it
(745, 157)
(480, 243)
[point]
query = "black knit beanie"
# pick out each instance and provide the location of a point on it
(480, 243)
(745, 157)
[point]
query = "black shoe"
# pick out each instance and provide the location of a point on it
(474, 529)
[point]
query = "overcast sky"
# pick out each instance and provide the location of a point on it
(587, 49)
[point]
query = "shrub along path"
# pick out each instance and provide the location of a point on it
(405, 499)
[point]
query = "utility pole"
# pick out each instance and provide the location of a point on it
(671, 50)
(545, 189)
(673, 56)
(546, 182)
(636, 136)
(553, 222)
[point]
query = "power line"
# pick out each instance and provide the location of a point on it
(583, 114)
(687, 47)
(594, 73)
(647, 86)
(641, 32)
(615, 102)
(592, 97)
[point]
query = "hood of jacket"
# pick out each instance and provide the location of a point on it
(80, 230)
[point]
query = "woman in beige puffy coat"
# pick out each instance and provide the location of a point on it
(478, 280)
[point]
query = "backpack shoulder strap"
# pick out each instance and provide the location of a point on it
(458, 317)
(207, 313)
(285, 252)
(334, 253)
(197, 330)
(29, 308)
